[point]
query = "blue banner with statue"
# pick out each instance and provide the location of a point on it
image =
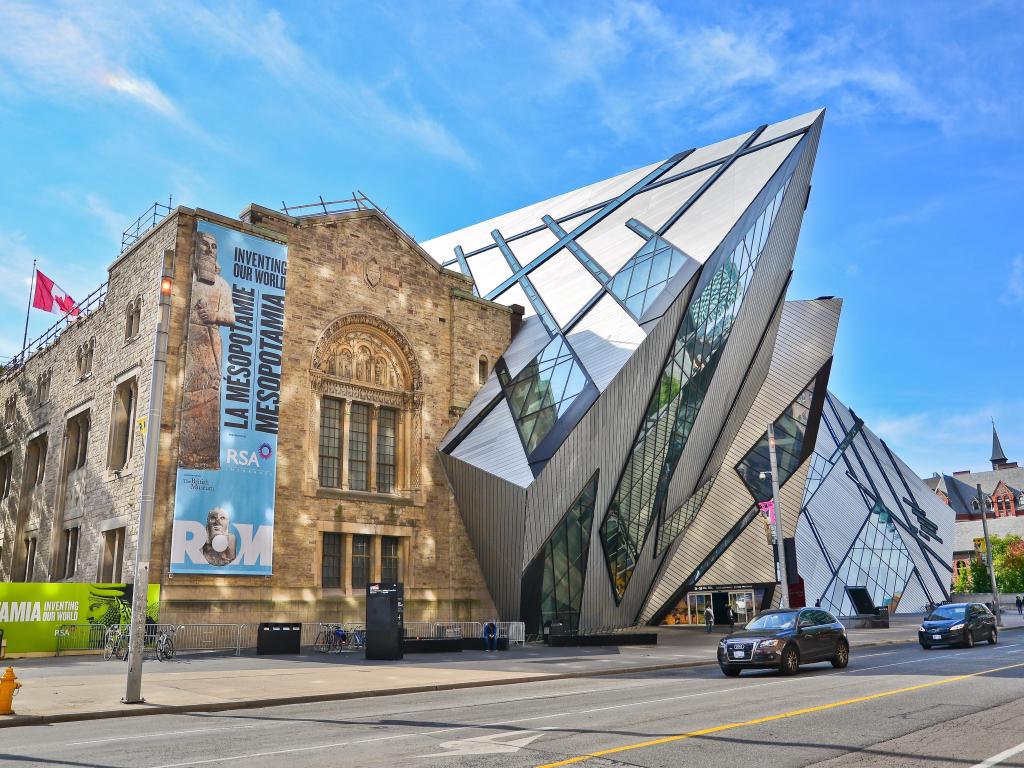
(227, 449)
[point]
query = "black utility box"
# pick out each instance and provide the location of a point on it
(276, 637)
(384, 625)
(432, 645)
(477, 644)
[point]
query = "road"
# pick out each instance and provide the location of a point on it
(893, 706)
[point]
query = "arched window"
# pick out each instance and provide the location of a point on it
(481, 370)
(122, 421)
(974, 503)
(368, 385)
(133, 319)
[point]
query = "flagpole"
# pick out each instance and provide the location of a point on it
(28, 310)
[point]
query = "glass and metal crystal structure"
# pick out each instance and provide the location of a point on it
(612, 457)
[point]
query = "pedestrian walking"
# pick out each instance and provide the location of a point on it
(1020, 606)
(732, 619)
(709, 619)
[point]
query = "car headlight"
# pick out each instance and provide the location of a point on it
(955, 627)
(921, 629)
(769, 643)
(721, 644)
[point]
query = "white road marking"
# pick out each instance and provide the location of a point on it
(869, 655)
(996, 759)
(494, 744)
(153, 735)
(504, 723)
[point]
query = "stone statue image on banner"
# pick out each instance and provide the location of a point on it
(221, 545)
(212, 307)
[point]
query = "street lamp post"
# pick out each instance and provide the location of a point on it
(144, 542)
(988, 558)
(780, 547)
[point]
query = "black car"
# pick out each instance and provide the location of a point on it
(784, 639)
(958, 624)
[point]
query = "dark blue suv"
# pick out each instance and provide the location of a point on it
(958, 624)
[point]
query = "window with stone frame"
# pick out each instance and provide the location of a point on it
(133, 319)
(84, 358)
(361, 560)
(331, 430)
(332, 547)
(113, 556)
(35, 462)
(122, 421)
(481, 370)
(67, 564)
(43, 387)
(359, 447)
(10, 409)
(368, 383)
(76, 441)
(6, 474)
(390, 547)
(30, 558)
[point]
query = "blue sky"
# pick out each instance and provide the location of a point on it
(446, 114)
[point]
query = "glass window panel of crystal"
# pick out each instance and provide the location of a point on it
(565, 554)
(359, 447)
(701, 336)
(330, 442)
(360, 560)
(389, 559)
(331, 560)
(387, 419)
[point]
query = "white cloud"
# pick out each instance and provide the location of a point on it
(1015, 284)
(76, 51)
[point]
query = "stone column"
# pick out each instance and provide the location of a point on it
(346, 566)
(346, 421)
(375, 558)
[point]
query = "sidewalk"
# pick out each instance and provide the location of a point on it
(86, 687)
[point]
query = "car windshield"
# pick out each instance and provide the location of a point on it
(773, 621)
(946, 613)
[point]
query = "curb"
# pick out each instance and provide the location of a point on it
(14, 721)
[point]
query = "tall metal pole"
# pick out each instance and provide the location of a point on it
(988, 558)
(144, 544)
(780, 547)
(28, 311)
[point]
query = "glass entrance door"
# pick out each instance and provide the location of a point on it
(696, 603)
(743, 603)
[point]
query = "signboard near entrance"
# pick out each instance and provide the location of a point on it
(227, 450)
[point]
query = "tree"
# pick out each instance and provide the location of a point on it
(1008, 560)
(979, 576)
(963, 583)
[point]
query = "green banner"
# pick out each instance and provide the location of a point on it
(33, 616)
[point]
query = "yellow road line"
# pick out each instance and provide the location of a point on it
(770, 718)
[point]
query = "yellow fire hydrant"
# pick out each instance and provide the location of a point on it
(9, 686)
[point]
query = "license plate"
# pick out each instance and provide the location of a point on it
(737, 654)
(936, 637)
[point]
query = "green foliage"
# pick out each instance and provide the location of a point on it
(1008, 560)
(963, 583)
(979, 576)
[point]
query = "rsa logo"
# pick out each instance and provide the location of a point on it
(249, 458)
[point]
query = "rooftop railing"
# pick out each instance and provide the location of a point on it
(144, 223)
(358, 202)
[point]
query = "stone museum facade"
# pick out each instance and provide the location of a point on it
(383, 351)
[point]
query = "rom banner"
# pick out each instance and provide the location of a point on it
(32, 614)
(227, 450)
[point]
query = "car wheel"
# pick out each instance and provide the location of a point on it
(968, 638)
(842, 655)
(790, 661)
(731, 671)
(994, 637)
(926, 646)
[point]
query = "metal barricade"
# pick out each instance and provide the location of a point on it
(419, 629)
(515, 631)
(80, 637)
(458, 629)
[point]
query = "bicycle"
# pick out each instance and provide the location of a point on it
(165, 643)
(115, 643)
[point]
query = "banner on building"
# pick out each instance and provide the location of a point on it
(227, 448)
(33, 616)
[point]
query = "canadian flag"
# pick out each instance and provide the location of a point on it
(49, 297)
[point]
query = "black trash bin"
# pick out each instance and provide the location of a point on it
(552, 628)
(276, 637)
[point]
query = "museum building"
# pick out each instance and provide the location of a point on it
(558, 414)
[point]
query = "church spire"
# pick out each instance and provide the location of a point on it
(998, 456)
